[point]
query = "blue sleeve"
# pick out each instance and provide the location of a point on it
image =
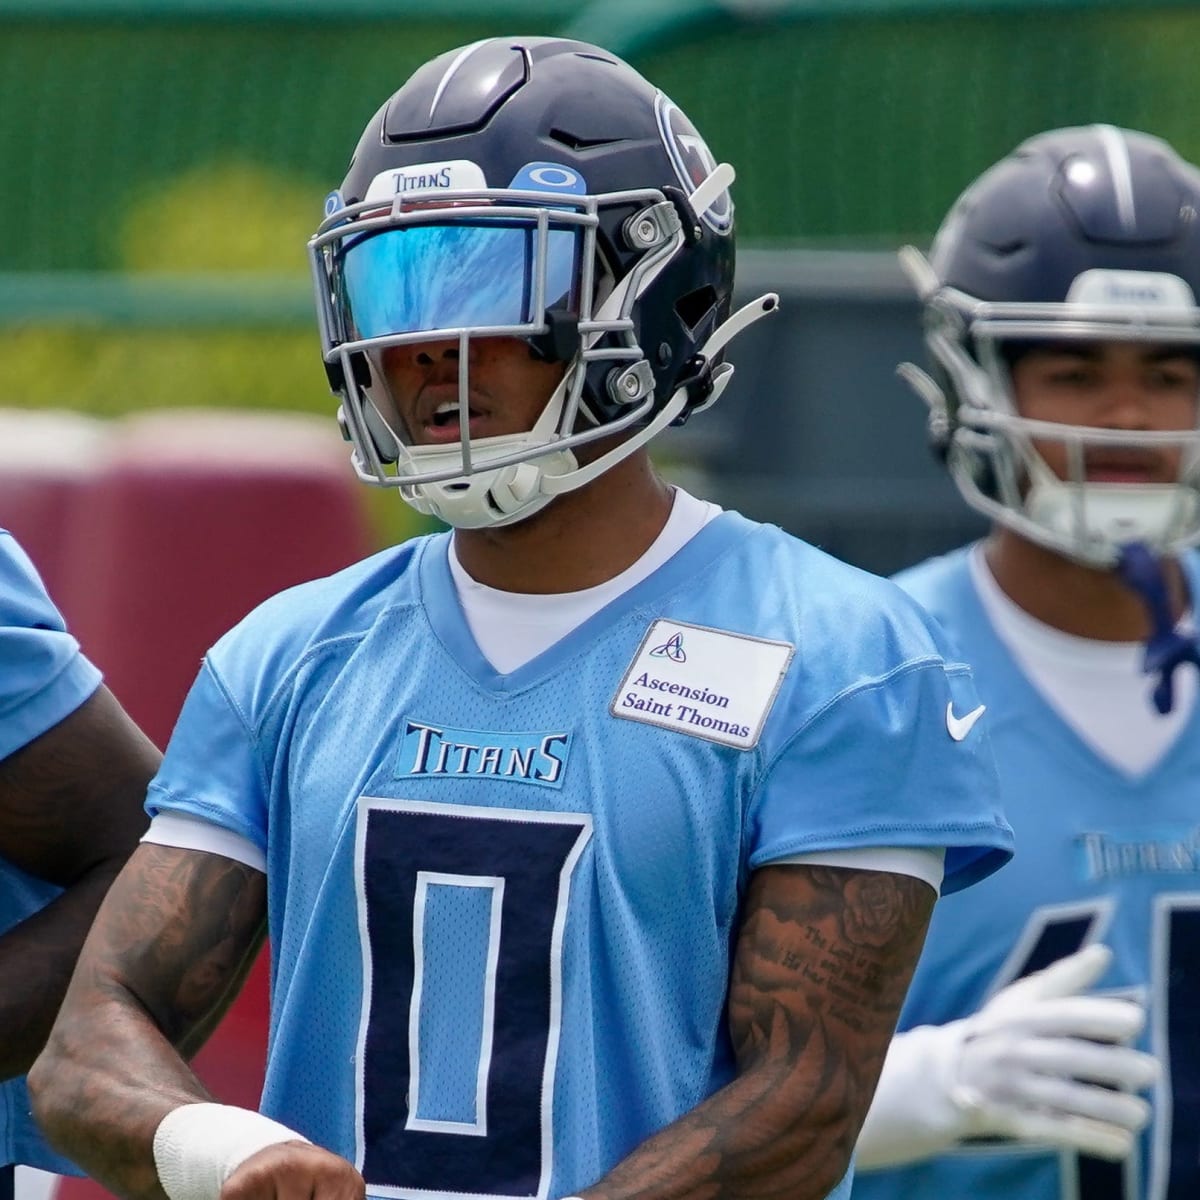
(43, 675)
(211, 768)
(877, 766)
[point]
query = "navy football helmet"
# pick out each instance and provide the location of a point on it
(541, 189)
(1081, 233)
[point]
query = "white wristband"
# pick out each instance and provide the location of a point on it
(198, 1146)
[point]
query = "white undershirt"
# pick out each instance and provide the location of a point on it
(513, 628)
(1098, 688)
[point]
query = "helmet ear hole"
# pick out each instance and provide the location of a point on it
(696, 306)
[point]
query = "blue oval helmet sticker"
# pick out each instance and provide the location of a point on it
(549, 177)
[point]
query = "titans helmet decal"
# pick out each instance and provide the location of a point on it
(693, 161)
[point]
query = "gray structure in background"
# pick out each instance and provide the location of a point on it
(816, 432)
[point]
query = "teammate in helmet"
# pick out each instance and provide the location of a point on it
(1062, 321)
(519, 800)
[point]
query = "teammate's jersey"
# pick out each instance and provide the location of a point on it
(43, 678)
(1102, 856)
(502, 906)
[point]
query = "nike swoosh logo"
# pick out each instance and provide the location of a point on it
(959, 727)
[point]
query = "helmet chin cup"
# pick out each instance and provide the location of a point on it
(490, 498)
(516, 487)
(1094, 520)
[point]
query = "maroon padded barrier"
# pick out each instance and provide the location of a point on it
(197, 517)
(48, 460)
(194, 519)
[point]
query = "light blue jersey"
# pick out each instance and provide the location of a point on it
(502, 906)
(43, 678)
(1101, 856)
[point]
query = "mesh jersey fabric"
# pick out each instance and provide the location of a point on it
(1103, 855)
(43, 678)
(500, 911)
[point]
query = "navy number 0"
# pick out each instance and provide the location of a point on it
(504, 877)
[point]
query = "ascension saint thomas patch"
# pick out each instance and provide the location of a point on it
(708, 683)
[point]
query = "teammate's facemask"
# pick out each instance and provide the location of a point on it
(627, 283)
(1081, 235)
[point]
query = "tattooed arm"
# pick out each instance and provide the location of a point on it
(170, 947)
(70, 813)
(824, 958)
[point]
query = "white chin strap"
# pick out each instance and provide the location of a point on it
(504, 495)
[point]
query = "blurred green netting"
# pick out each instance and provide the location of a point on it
(192, 144)
(862, 130)
(97, 113)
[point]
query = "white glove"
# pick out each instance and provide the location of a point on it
(1039, 1063)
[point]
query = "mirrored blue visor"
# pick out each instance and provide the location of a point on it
(417, 277)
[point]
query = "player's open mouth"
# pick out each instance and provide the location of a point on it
(445, 424)
(1121, 467)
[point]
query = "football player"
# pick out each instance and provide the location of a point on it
(73, 776)
(1061, 316)
(518, 801)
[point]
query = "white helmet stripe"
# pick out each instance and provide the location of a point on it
(452, 69)
(1119, 168)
